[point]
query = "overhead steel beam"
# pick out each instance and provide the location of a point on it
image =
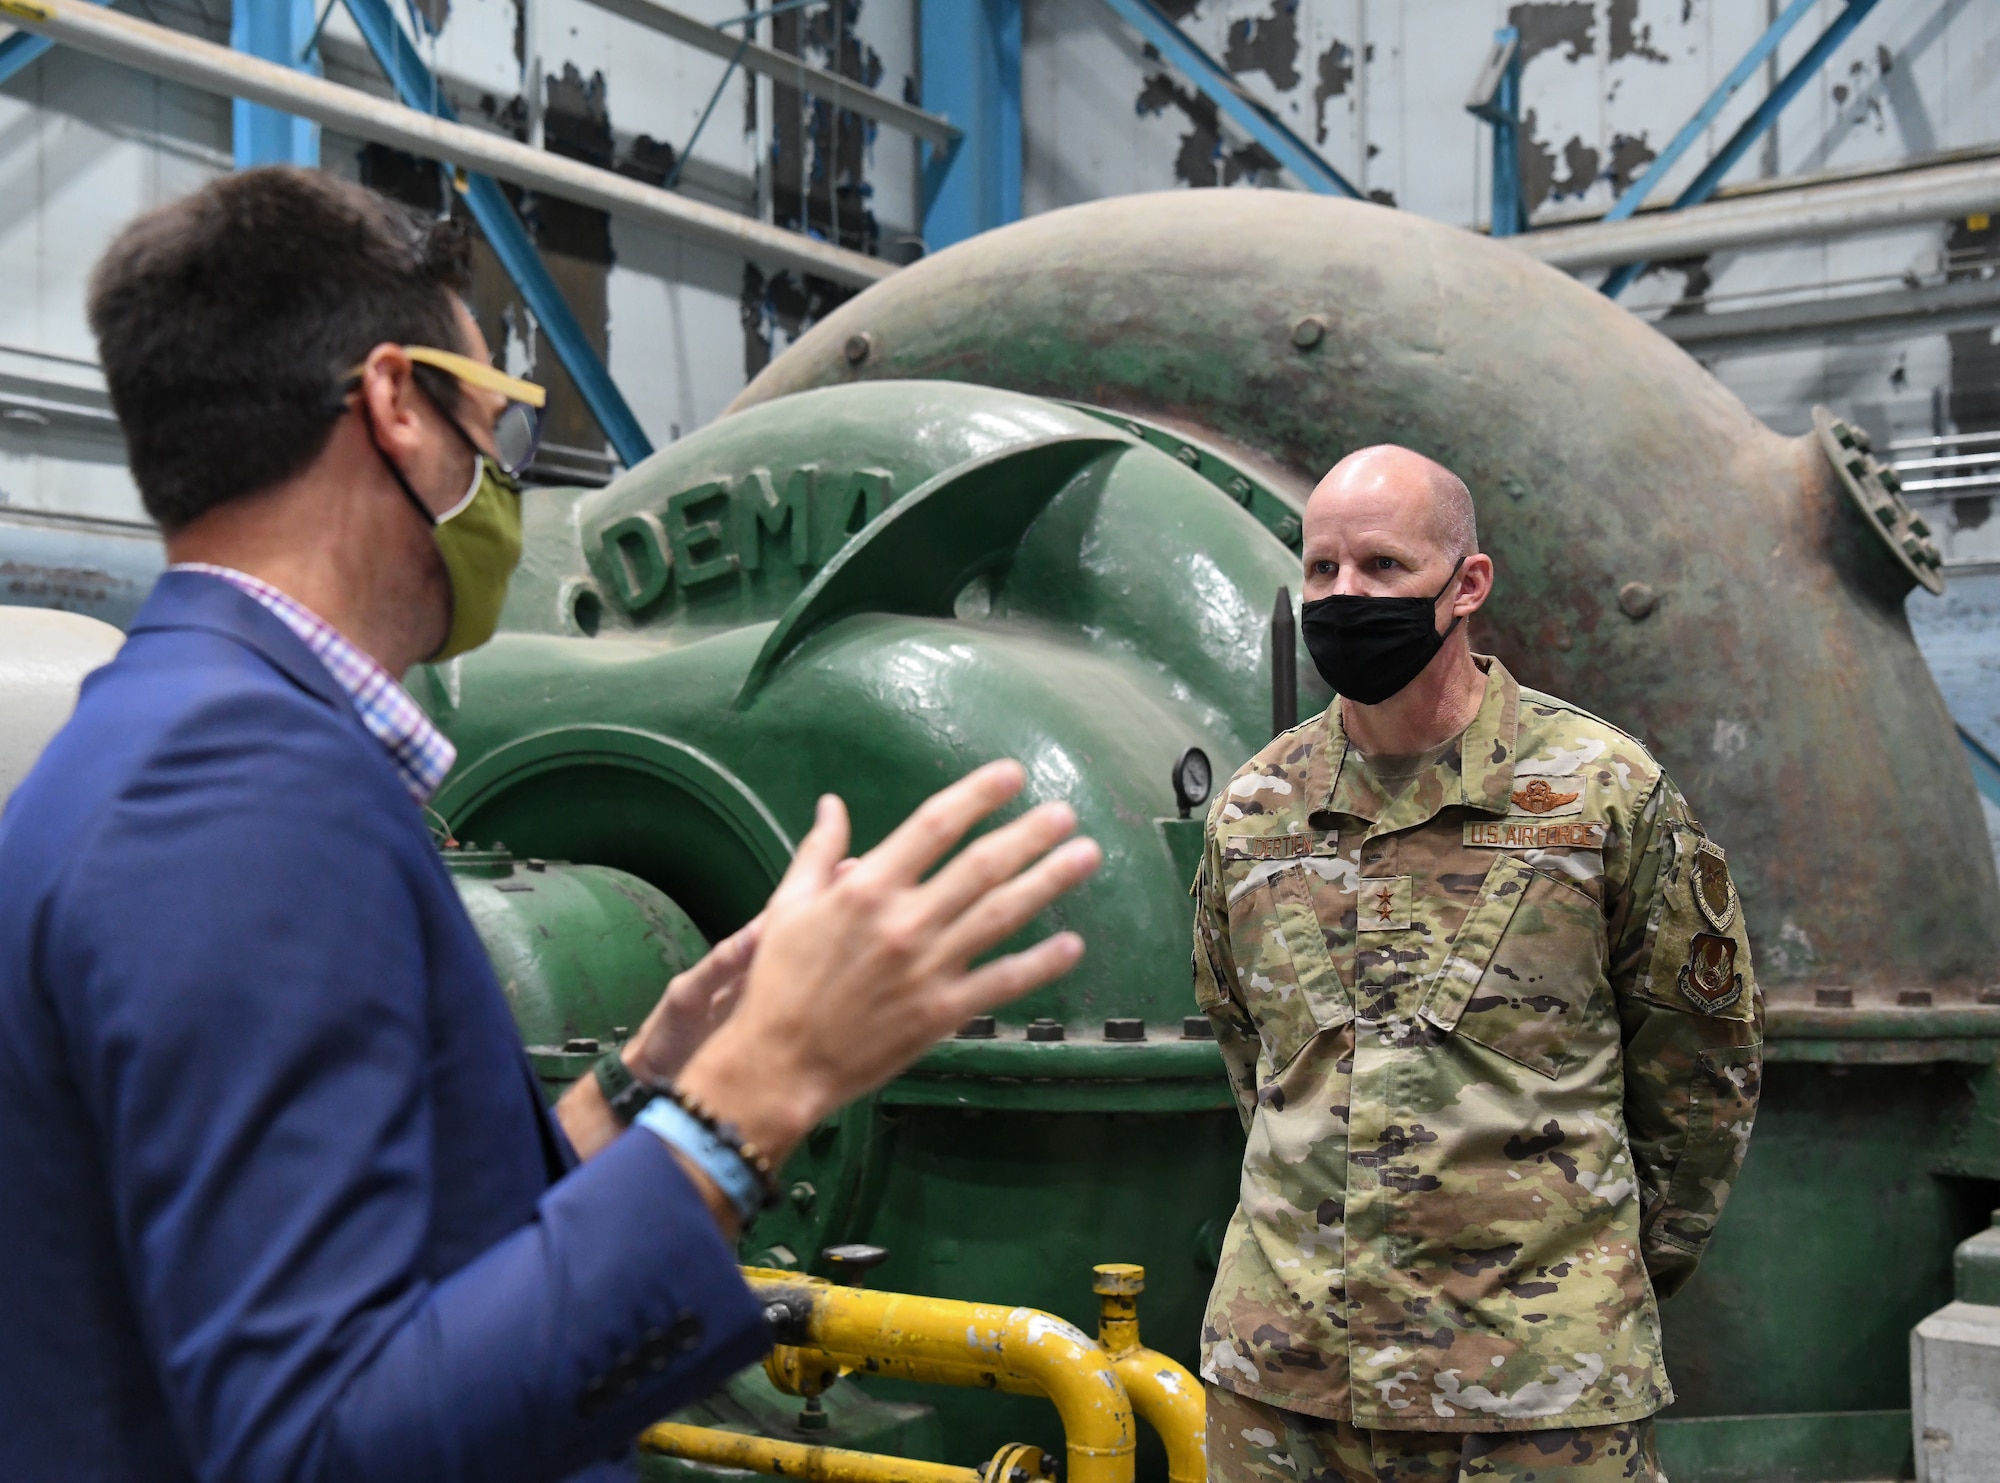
(20, 50)
(1753, 127)
(1496, 98)
(843, 92)
(164, 53)
(509, 240)
(1214, 82)
(1635, 194)
(1844, 208)
(1930, 310)
(972, 72)
(278, 31)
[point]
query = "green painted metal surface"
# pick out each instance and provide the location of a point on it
(872, 590)
(873, 585)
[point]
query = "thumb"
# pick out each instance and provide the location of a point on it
(819, 855)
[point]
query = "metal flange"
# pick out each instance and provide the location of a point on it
(1878, 493)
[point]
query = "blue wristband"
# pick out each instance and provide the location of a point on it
(680, 1131)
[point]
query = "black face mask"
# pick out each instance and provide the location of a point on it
(1369, 648)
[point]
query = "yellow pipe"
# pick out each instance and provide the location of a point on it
(1167, 1396)
(794, 1459)
(1058, 1359)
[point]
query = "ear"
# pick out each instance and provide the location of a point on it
(389, 399)
(1475, 585)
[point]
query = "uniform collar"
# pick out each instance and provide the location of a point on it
(1475, 770)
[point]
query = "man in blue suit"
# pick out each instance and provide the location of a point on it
(282, 1202)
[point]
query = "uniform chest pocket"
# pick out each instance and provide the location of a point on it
(1277, 938)
(1522, 968)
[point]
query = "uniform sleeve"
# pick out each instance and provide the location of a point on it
(1215, 988)
(1693, 1023)
(243, 978)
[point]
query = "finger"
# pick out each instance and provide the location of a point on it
(818, 853)
(940, 822)
(1009, 907)
(1006, 979)
(986, 862)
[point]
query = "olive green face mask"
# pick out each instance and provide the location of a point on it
(480, 541)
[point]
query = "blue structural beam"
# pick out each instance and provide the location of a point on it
(508, 238)
(1752, 128)
(277, 31)
(1636, 193)
(23, 49)
(1496, 98)
(972, 75)
(1214, 81)
(1985, 766)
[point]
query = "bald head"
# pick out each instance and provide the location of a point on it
(1389, 522)
(1420, 488)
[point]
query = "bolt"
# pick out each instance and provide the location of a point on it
(803, 1197)
(1914, 998)
(1124, 1029)
(1189, 455)
(979, 1027)
(1197, 1027)
(859, 347)
(1636, 600)
(1045, 1029)
(1308, 332)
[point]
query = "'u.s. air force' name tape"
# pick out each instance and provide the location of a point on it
(1509, 834)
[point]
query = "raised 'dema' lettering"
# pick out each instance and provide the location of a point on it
(723, 526)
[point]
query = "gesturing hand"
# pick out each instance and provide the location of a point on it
(697, 1000)
(860, 969)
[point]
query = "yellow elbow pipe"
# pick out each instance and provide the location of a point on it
(967, 1340)
(725, 1449)
(1165, 1395)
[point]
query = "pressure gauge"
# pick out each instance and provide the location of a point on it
(1192, 780)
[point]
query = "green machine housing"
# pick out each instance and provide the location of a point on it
(1034, 497)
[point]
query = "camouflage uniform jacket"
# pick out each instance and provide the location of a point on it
(1495, 1043)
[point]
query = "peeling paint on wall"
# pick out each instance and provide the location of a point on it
(1267, 44)
(1205, 157)
(1336, 71)
(1548, 24)
(1628, 37)
(820, 158)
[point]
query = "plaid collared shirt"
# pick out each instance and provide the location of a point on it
(419, 750)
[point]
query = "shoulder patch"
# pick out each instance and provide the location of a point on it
(1709, 980)
(1714, 892)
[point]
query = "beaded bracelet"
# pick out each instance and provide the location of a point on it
(730, 1136)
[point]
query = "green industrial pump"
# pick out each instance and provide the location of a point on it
(1035, 497)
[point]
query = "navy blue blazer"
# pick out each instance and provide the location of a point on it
(280, 1198)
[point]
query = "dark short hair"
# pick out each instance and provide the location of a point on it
(226, 319)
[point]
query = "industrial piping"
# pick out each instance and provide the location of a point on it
(1917, 198)
(165, 53)
(726, 1449)
(956, 1343)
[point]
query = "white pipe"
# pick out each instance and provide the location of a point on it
(202, 64)
(1916, 198)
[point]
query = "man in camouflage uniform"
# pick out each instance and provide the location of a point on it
(1482, 985)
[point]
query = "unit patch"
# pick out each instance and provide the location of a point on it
(1382, 903)
(1709, 980)
(1510, 834)
(1708, 876)
(1540, 798)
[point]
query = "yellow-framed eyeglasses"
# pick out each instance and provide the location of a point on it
(517, 432)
